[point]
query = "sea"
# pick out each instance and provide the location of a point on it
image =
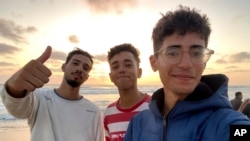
(100, 95)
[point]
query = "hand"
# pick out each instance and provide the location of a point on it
(33, 75)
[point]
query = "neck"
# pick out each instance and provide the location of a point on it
(68, 92)
(129, 97)
(170, 100)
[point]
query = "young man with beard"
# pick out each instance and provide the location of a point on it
(60, 114)
(124, 63)
(189, 107)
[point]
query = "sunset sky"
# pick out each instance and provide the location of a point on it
(28, 26)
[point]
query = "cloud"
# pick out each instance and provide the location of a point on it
(221, 61)
(231, 67)
(239, 57)
(4, 64)
(7, 49)
(58, 55)
(101, 57)
(234, 58)
(16, 15)
(56, 70)
(34, 1)
(11, 31)
(73, 39)
(238, 71)
(109, 6)
(235, 69)
(241, 17)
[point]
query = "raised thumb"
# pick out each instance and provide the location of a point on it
(45, 56)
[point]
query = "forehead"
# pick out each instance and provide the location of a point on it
(81, 59)
(186, 40)
(122, 57)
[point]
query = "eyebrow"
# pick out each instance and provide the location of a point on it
(179, 46)
(196, 46)
(116, 62)
(174, 46)
(78, 61)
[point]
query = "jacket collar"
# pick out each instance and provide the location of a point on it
(208, 85)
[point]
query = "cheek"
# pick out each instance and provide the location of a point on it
(111, 76)
(199, 69)
(163, 67)
(164, 70)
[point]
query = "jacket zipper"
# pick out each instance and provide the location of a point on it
(164, 128)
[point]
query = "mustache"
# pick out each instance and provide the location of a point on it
(77, 72)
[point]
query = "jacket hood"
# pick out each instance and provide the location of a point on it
(211, 93)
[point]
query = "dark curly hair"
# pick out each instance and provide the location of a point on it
(124, 47)
(78, 51)
(183, 20)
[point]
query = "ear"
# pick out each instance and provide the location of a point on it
(139, 73)
(63, 67)
(204, 66)
(153, 63)
(87, 77)
(110, 77)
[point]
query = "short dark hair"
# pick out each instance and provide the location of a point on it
(78, 51)
(183, 20)
(237, 94)
(124, 47)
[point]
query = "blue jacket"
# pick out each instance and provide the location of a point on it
(205, 115)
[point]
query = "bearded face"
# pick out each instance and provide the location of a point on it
(76, 71)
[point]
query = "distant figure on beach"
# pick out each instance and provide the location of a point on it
(124, 63)
(59, 114)
(237, 101)
(245, 107)
(190, 106)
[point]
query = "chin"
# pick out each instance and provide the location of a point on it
(123, 86)
(181, 88)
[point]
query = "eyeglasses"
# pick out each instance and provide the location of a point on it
(197, 54)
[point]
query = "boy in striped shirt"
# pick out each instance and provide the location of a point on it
(124, 63)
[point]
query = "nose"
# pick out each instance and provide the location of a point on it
(185, 61)
(79, 69)
(121, 70)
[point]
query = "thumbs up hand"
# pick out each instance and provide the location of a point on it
(33, 75)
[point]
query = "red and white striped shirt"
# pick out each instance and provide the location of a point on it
(116, 120)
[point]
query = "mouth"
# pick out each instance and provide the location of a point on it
(121, 77)
(183, 77)
(77, 75)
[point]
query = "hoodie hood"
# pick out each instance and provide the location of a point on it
(211, 93)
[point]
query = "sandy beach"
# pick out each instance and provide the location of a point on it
(17, 135)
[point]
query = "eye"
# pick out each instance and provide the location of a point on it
(197, 52)
(75, 63)
(114, 67)
(128, 65)
(86, 67)
(173, 52)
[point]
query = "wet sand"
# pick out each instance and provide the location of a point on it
(16, 135)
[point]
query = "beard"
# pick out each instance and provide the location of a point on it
(73, 83)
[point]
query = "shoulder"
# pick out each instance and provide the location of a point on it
(229, 114)
(113, 104)
(225, 117)
(143, 115)
(90, 104)
(111, 109)
(44, 91)
(147, 97)
(218, 124)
